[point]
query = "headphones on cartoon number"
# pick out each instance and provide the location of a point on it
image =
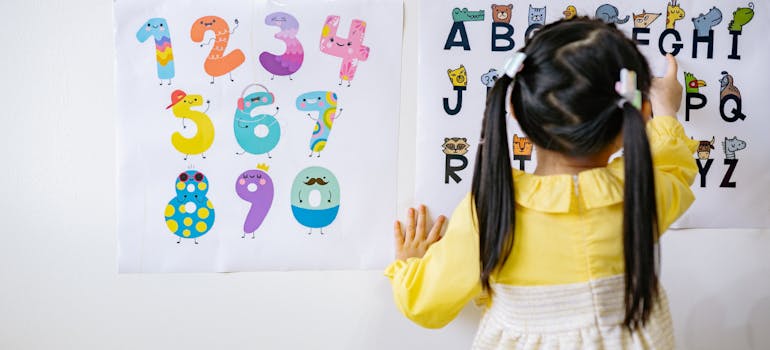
(241, 103)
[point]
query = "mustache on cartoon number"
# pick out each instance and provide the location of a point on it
(316, 180)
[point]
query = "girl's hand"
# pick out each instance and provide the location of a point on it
(417, 239)
(666, 92)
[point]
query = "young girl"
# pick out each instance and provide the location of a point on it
(565, 257)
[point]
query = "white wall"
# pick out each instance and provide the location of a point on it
(58, 282)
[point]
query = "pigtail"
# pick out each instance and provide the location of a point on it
(639, 221)
(492, 187)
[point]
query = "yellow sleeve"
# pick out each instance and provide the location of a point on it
(674, 168)
(433, 289)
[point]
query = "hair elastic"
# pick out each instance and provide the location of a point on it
(514, 64)
(627, 89)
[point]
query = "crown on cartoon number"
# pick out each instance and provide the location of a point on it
(263, 167)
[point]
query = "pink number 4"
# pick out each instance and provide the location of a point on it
(350, 49)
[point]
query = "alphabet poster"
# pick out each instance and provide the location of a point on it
(256, 135)
(724, 64)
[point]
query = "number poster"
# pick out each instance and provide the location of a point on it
(252, 134)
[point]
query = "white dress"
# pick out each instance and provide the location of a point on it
(574, 316)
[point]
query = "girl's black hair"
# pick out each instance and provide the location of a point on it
(564, 99)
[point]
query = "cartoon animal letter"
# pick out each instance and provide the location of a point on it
(704, 22)
(290, 61)
(204, 137)
(673, 13)
(644, 19)
(158, 29)
(693, 98)
(704, 161)
(570, 12)
(703, 32)
(463, 15)
(642, 22)
(731, 146)
(522, 150)
(741, 17)
(315, 198)
(458, 77)
(536, 15)
(727, 86)
(704, 148)
(217, 63)
(255, 187)
(190, 214)
(692, 84)
(456, 145)
(325, 103)
(459, 17)
(256, 134)
(502, 13)
(536, 19)
(351, 49)
(455, 149)
(522, 146)
(609, 14)
(489, 78)
(729, 92)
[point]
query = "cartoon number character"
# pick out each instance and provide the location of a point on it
(704, 148)
(315, 198)
(644, 19)
(290, 61)
(502, 13)
(704, 22)
(350, 49)
(217, 63)
(204, 137)
(741, 17)
(256, 134)
(731, 146)
(325, 103)
(190, 214)
(255, 187)
(673, 13)
(458, 76)
(158, 29)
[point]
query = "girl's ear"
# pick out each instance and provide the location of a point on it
(646, 110)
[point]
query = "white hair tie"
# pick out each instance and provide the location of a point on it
(514, 64)
(628, 90)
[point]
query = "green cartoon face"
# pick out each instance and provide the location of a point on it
(741, 17)
(315, 188)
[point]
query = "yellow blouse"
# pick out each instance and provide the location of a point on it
(565, 232)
